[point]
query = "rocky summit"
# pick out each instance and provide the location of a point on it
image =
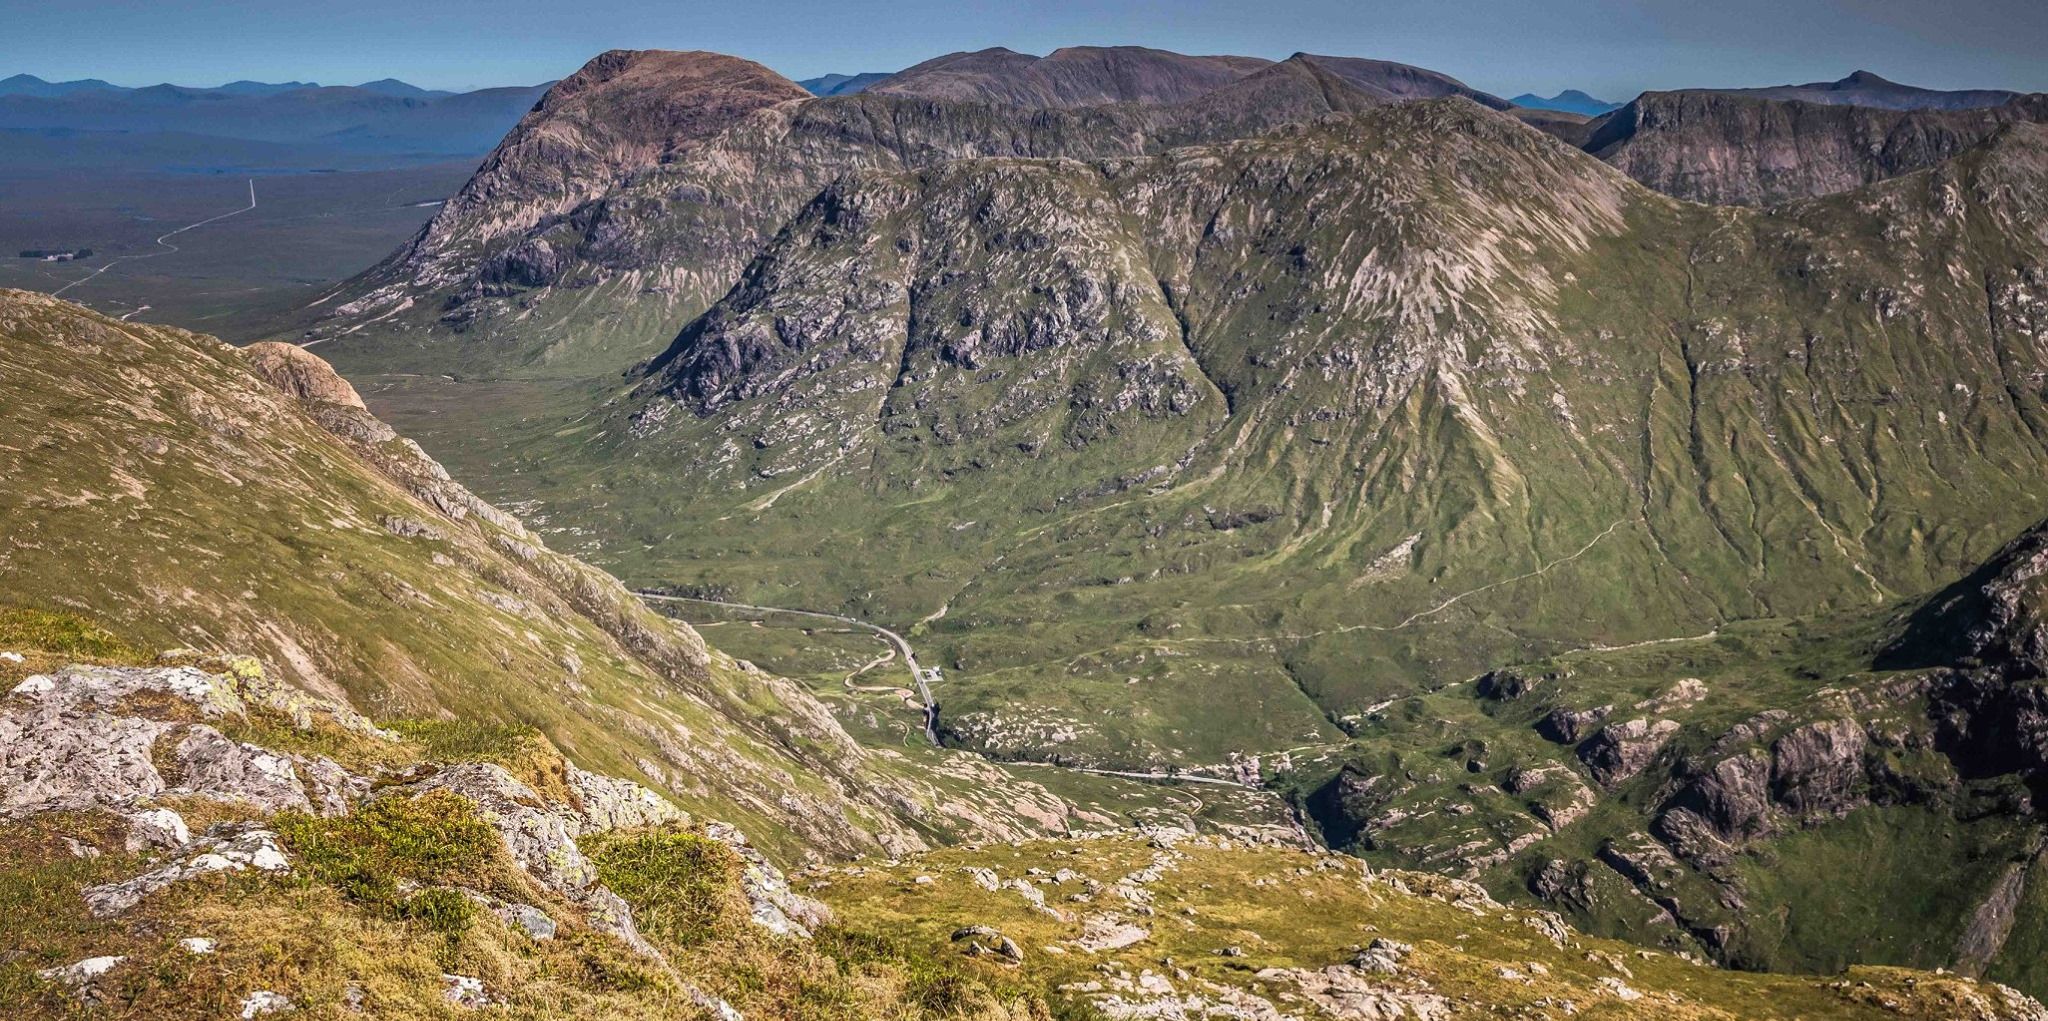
(1114, 534)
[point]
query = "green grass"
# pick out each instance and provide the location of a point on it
(686, 886)
(371, 854)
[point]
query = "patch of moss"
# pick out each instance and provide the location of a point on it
(371, 855)
(684, 888)
(23, 629)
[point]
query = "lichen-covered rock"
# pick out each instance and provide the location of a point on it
(211, 763)
(775, 906)
(83, 973)
(609, 803)
(98, 736)
(262, 1002)
(234, 851)
(156, 828)
(464, 991)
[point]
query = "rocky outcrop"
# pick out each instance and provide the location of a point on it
(1566, 725)
(1817, 769)
(1621, 750)
(236, 850)
(118, 737)
(302, 374)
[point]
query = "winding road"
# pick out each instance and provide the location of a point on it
(167, 246)
(924, 691)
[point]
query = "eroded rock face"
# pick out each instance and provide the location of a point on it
(1818, 769)
(301, 373)
(1718, 148)
(775, 906)
(609, 803)
(1622, 750)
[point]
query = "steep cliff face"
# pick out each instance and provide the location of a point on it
(1747, 150)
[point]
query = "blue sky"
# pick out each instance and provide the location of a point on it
(1607, 47)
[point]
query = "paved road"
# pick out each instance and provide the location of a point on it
(924, 691)
(167, 246)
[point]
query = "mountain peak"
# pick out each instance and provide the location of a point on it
(622, 112)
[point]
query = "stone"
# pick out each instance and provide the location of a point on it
(262, 1002)
(1382, 957)
(610, 803)
(156, 828)
(83, 973)
(1101, 932)
(1618, 989)
(464, 991)
(231, 770)
(196, 945)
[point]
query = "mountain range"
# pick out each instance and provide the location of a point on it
(1568, 101)
(146, 128)
(30, 85)
(1624, 527)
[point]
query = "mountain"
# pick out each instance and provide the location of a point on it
(537, 818)
(249, 88)
(842, 84)
(1081, 76)
(1400, 82)
(948, 384)
(30, 85)
(394, 87)
(655, 243)
(359, 121)
(1722, 148)
(1568, 101)
(1068, 77)
(1862, 88)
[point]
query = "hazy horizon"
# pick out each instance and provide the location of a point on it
(1606, 48)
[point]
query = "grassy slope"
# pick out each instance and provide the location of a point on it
(1287, 909)
(158, 487)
